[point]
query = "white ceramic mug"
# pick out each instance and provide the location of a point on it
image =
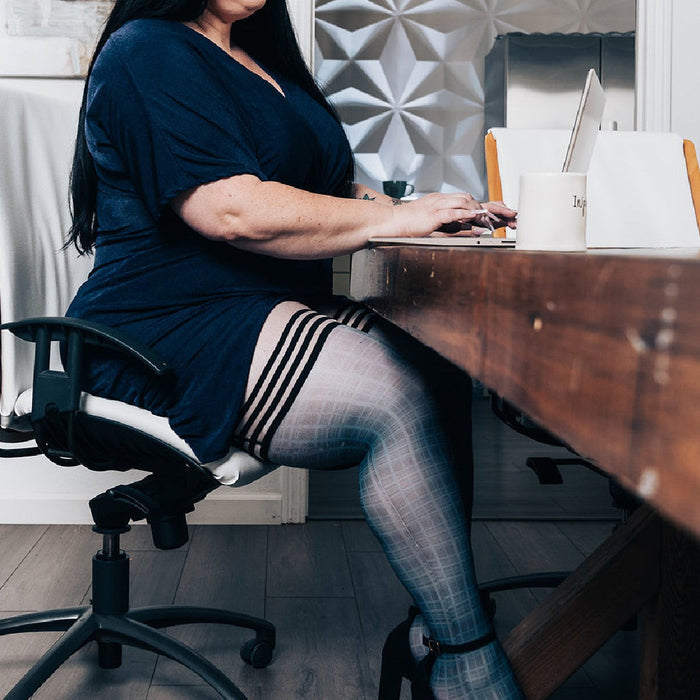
(552, 212)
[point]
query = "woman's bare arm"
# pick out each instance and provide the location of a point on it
(283, 221)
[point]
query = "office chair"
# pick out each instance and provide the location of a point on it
(42, 400)
(655, 167)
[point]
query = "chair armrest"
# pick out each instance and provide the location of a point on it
(56, 394)
(93, 334)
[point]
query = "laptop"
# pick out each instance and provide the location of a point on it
(484, 241)
(586, 126)
(578, 158)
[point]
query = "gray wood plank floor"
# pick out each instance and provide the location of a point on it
(326, 585)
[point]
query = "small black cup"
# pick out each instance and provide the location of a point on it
(397, 188)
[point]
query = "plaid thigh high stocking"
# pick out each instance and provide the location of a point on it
(361, 402)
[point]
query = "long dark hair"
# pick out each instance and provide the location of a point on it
(267, 36)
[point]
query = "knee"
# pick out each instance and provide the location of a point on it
(404, 398)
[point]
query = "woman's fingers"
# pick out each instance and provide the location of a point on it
(475, 217)
(505, 215)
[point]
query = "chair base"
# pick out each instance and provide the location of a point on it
(111, 624)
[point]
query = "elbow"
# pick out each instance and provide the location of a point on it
(226, 210)
(237, 229)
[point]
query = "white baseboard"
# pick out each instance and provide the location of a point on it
(226, 507)
(232, 508)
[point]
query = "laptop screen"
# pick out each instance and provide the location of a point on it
(586, 126)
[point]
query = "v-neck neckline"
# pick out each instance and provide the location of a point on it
(275, 85)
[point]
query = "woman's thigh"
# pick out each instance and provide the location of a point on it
(339, 309)
(288, 348)
(277, 320)
(336, 388)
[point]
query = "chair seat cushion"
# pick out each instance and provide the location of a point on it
(237, 468)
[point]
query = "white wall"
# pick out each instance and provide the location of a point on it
(49, 38)
(668, 55)
(302, 13)
(685, 63)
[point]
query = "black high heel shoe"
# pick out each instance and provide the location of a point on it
(398, 662)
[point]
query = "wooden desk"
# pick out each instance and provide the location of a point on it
(603, 349)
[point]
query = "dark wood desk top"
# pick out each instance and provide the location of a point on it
(602, 348)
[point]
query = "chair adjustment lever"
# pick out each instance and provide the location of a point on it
(162, 501)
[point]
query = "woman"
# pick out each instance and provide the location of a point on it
(214, 182)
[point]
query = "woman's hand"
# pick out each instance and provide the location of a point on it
(449, 214)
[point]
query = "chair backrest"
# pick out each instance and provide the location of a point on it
(38, 124)
(643, 188)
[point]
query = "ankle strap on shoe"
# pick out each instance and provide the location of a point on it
(437, 648)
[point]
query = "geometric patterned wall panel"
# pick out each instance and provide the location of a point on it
(407, 77)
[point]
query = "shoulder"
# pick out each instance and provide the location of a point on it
(146, 44)
(153, 58)
(145, 34)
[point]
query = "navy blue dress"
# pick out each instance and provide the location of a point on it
(169, 110)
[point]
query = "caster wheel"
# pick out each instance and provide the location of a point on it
(256, 653)
(109, 654)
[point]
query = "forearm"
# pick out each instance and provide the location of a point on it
(282, 221)
(302, 225)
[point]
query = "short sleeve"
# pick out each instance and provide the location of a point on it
(159, 114)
